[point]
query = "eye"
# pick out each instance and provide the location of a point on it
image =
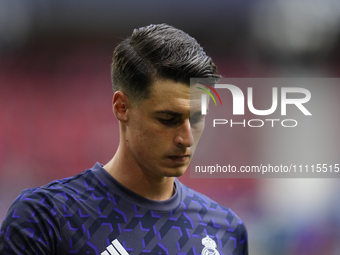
(168, 121)
(195, 120)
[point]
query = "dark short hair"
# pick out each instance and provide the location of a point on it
(158, 52)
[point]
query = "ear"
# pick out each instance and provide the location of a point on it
(121, 106)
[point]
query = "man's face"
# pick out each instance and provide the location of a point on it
(163, 131)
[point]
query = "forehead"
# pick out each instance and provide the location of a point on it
(170, 94)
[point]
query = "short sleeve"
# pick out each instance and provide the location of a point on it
(30, 226)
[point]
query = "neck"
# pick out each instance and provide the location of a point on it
(128, 173)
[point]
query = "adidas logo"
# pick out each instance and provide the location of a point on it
(115, 248)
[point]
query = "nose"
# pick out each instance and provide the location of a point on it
(184, 136)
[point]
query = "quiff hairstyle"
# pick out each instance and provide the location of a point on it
(158, 52)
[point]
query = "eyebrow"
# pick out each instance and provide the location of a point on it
(177, 114)
(172, 113)
(198, 113)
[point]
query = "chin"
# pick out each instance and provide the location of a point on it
(177, 172)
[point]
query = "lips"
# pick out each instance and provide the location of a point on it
(179, 158)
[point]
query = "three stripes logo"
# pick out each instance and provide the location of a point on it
(115, 248)
(204, 97)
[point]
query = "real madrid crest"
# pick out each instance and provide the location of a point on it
(209, 246)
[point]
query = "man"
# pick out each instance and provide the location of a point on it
(134, 204)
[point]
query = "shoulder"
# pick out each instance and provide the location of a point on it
(190, 195)
(37, 215)
(212, 219)
(56, 195)
(56, 190)
(208, 208)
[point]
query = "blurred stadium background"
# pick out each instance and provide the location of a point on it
(55, 98)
